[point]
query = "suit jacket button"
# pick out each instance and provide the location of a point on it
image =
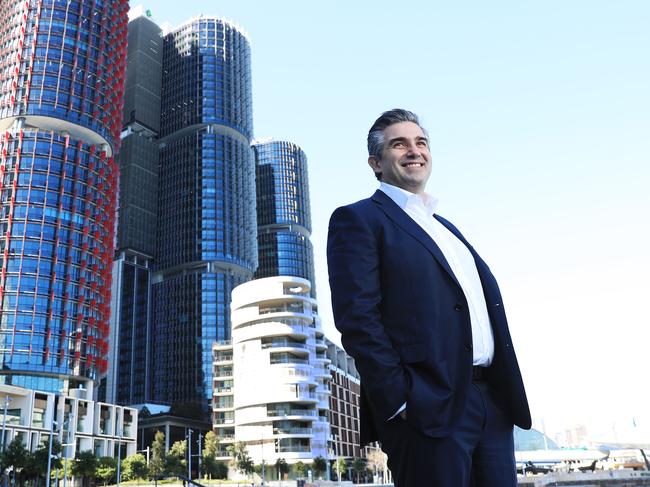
(468, 348)
(458, 307)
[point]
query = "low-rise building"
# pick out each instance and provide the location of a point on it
(271, 384)
(344, 403)
(78, 422)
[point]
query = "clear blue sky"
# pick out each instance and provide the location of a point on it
(539, 113)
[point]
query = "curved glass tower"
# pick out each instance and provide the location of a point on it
(61, 87)
(283, 211)
(206, 207)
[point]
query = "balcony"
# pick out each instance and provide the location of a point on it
(293, 449)
(219, 421)
(223, 373)
(219, 358)
(322, 358)
(284, 343)
(293, 307)
(291, 412)
(222, 390)
(292, 431)
(288, 359)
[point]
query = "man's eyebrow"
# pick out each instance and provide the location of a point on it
(403, 139)
(396, 139)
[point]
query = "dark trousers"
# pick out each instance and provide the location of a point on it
(479, 453)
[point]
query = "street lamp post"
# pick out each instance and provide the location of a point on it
(263, 475)
(4, 422)
(200, 452)
(189, 454)
(328, 475)
(119, 456)
(336, 453)
(68, 442)
(49, 454)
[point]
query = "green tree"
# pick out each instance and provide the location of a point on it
(85, 466)
(300, 469)
(282, 467)
(38, 460)
(157, 462)
(106, 470)
(340, 467)
(134, 467)
(377, 461)
(359, 467)
(319, 466)
(210, 450)
(221, 470)
(175, 463)
(16, 456)
(66, 465)
(242, 461)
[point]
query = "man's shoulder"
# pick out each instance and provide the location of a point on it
(364, 208)
(363, 204)
(372, 203)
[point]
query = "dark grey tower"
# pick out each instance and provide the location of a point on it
(129, 373)
(206, 212)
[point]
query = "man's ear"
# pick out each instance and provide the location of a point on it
(373, 162)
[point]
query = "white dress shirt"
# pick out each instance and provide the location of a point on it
(421, 209)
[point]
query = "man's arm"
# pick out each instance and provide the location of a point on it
(353, 262)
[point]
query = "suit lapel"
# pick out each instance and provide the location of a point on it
(488, 282)
(401, 218)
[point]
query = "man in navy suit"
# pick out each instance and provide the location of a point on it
(422, 315)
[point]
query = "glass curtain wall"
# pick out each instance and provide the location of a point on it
(283, 211)
(61, 86)
(207, 222)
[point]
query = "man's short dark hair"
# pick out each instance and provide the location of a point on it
(376, 133)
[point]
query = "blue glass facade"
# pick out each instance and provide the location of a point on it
(283, 211)
(66, 63)
(206, 206)
(60, 109)
(132, 343)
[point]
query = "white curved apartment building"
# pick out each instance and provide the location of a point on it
(280, 375)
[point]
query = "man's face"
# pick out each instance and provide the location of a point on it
(405, 159)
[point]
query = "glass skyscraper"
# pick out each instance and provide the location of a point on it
(206, 240)
(129, 373)
(283, 211)
(61, 86)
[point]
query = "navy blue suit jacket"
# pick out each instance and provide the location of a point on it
(404, 318)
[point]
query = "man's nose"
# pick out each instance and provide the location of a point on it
(413, 150)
